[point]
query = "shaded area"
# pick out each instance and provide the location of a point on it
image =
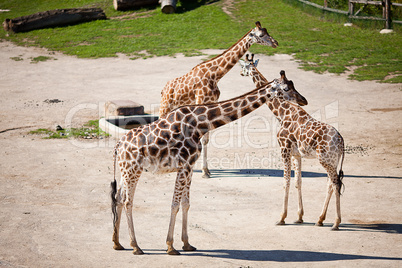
(372, 227)
(277, 255)
(222, 173)
(188, 5)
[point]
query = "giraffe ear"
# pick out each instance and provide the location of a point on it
(242, 63)
(256, 63)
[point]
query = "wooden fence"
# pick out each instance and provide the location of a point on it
(386, 14)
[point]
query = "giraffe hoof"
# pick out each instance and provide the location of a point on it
(298, 221)
(189, 248)
(118, 247)
(206, 175)
(335, 228)
(280, 223)
(319, 224)
(173, 252)
(138, 251)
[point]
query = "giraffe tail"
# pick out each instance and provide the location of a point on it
(113, 186)
(340, 175)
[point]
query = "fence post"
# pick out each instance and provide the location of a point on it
(387, 14)
(351, 11)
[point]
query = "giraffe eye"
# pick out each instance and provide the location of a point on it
(284, 87)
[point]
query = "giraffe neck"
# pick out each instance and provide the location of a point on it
(222, 63)
(257, 77)
(277, 105)
(286, 111)
(218, 114)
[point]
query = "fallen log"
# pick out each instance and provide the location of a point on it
(128, 4)
(168, 6)
(53, 18)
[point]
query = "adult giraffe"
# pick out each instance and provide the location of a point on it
(173, 144)
(200, 85)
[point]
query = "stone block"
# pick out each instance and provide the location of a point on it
(123, 108)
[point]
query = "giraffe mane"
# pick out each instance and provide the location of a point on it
(220, 102)
(223, 51)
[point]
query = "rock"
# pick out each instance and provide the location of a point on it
(123, 108)
(386, 31)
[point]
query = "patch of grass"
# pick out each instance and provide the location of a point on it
(90, 130)
(16, 58)
(158, 34)
(318, 44)
(40, 58)
(324, 46)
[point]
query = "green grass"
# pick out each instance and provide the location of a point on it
(324, 46)
(40, 58)
(16, 58)
(320, 45)
(90, 130)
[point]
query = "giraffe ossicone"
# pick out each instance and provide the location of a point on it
(300, 135)
(200, 85)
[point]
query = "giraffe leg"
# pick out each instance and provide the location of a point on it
(205, 171)
(286, 176)
(116, 225)
(185, 204)
(336, 187)
(323, 214)
(183, 181)
(338, 209)
(297, 165)
(128, 205)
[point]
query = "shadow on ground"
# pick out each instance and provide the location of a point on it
(287, 255)
(372, 227)
(225, 173)
(278, 255)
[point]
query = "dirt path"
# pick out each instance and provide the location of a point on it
(54, 194)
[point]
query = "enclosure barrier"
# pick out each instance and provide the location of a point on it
(386, 15)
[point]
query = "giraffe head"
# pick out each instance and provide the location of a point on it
(245, 65)
(285, 89)
(261, 36)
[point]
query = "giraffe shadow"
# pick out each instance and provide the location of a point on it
(296, 255)
(391, 228)
(286, 255)
(276, 255)
(226, 173)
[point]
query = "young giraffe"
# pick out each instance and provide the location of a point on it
(172, 144)
(200, 85)
(300, 135)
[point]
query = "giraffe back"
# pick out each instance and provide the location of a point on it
(305, 136)
(162, 146)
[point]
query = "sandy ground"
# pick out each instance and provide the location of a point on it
(54, 194)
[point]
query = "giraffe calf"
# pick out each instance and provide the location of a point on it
(300, 135)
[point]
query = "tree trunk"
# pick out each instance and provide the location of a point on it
(128, 4)
(168, 6)
(53, 18)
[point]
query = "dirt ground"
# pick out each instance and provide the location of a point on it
(54, 194)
